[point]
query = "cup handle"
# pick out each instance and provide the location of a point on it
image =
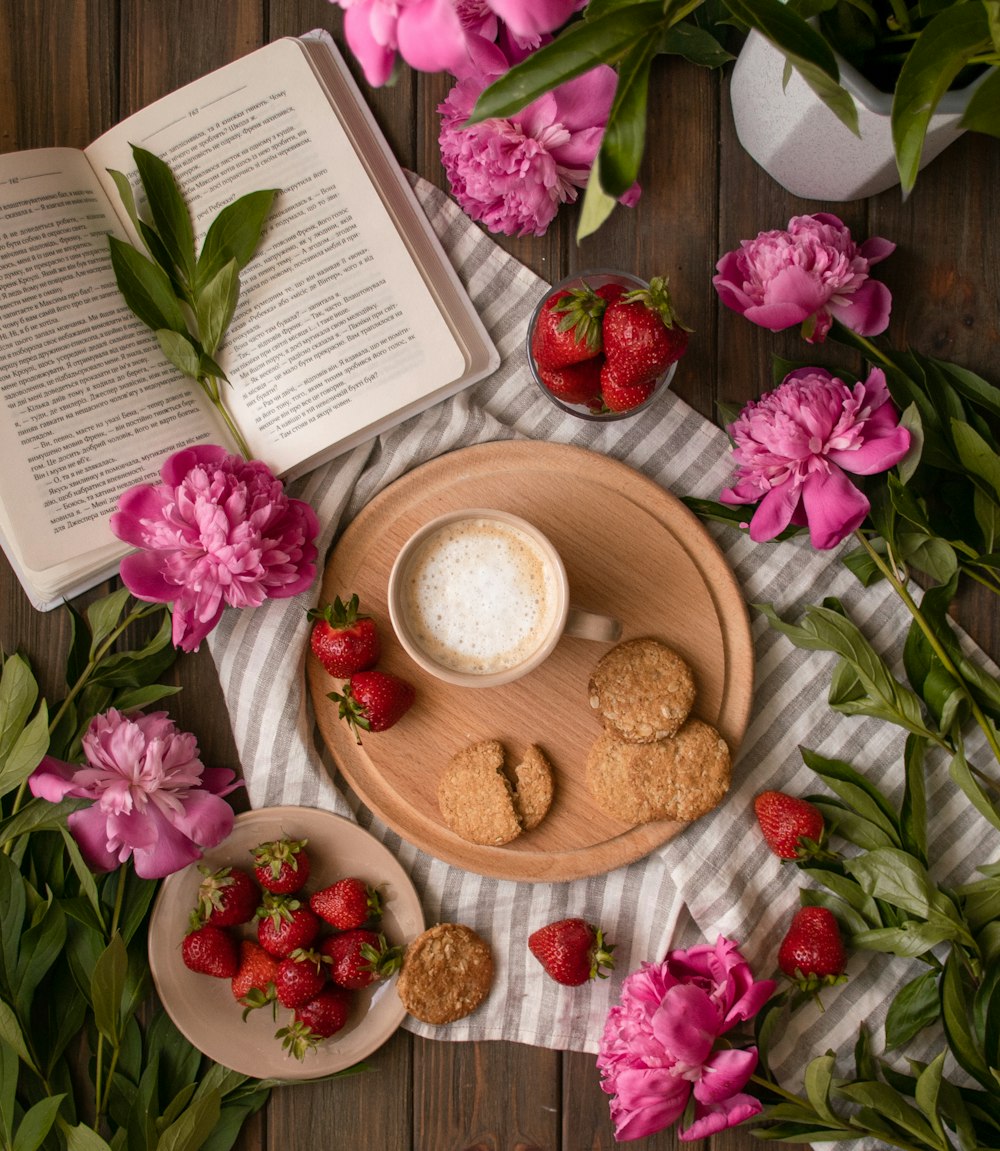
(589, 625)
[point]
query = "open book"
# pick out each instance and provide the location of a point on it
(351, 317)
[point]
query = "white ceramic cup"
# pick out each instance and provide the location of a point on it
(479, 597)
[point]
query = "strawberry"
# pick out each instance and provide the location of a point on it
(281, 865)
(342, 639)
(812, 952)
(575, 383)
(253, 984)
(211, 951)
(360, 957)
(284, 925)
(568, 328)
(227, 897)
(300, 977)
(793, 827)
(321, 1017)
(641, 334)
(623, 397)
(347, 903)
(373, 701)
(571, 951)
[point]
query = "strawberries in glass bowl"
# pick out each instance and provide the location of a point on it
(602, 344)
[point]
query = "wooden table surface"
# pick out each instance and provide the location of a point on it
(69, 69)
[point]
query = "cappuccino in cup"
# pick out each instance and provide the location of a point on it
(480, 597)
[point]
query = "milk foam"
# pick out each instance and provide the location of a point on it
(479, 596)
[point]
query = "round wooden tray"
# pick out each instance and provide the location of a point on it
(632, 550)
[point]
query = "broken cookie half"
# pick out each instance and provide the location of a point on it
(484, 802)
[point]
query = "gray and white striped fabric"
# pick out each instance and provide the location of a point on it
(715, 877)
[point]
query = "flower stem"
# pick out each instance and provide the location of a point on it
(891, 574)
(214, 393)
(102, 1081)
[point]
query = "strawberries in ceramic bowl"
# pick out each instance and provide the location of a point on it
(603, 344)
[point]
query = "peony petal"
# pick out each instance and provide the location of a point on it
(431, 37)
(376, 59)
(89, 827)
(646, 1101)
(876, 454)
(865, 311)
(724, 1073)
(207, 819)
(775, 512)
(142, 574)
(833, 507)
(710, 1120)
(53, 780)
(527, 18)
(686, 1024)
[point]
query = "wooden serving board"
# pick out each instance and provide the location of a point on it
(632, 550)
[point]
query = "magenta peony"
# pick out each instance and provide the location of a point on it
(793, 446)
(513, 174)
(426, 33)
(153, 798)
(216, 531)
(660, 1044)
(810, 274)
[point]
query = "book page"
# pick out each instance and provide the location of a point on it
(335, 327)
(88, 403)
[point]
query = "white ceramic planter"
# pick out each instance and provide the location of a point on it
(798, 141)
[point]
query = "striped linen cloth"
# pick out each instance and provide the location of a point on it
(716, 876)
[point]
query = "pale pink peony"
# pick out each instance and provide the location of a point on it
(426, 33)
(793, 446)
(659, 1046)
(512, 174)
(216, 531)
(152, 797)
(810, 274)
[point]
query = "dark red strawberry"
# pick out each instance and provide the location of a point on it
(571, 951)
(211, 951)
(812, 953)
(623, 397)
(373, 701)
(793, 828)
(575, 383)
(316, 1020)
(343, 639)
(300, 977)
(253, 984)
(641, 334)
(227, 897)
(284, 926)
(568, 328)
(359, 958)
(281, 865)
(348, 903)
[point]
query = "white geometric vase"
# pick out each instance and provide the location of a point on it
(798, 141)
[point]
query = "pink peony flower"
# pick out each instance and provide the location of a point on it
(659, 1046)
(534, 18)
(513, 174)
(153, 798)
(810, 275)
(794, 445)
(426, 33)
(216, 531)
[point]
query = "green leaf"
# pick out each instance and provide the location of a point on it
(215, 304)
(576, 50)
(818, 1084)
(909, 940)
(804, 48)
(104, 616)
(899, 879)
(961, 773)
(695, 44)
(955, 1015)
(180, 351)
(625, 133)
(41, 945)
(597, 206)
(107, 987)
(976, 455)
(983, 111)
(27, 752)
(855, 790)
(194, 1125)
(36, 1123)
(234, 234)
(951, 39)
(847, 890)
(890, 1105)
(82, 1138)
(18, 694)
(146, 288)
(121, 182)
(169, 211)
(12, 1035)
(916, 1005)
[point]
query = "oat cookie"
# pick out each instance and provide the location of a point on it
(680, 778)
(478, 800)
(642, 690)
(447, 972)
(533, 787)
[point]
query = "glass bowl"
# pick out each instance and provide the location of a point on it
(597, 410)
